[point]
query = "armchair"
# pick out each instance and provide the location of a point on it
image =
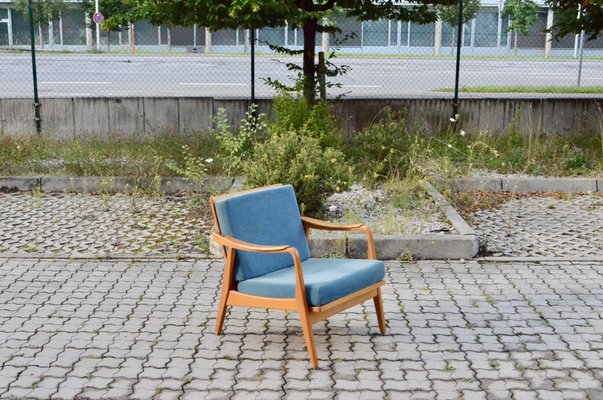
(268, 264)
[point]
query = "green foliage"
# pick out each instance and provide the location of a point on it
(450, 13)
(297, 158)
(575, 159)
(388, 148)
(317, 121)
(43, 10)
(193, 168)
(251, 14)
(522, 14)
(235, 147)
(94, 157)
(566, 23)
(114, 11)
(330, 70)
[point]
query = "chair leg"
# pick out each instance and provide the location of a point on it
(379, 308)
(221, 311)
(309, 336)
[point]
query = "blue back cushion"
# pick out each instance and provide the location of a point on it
(268, 217)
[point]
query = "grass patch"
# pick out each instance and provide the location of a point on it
(529, 89)
(95, 157)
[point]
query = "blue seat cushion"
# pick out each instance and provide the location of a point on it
(268, 217)
(326, 280)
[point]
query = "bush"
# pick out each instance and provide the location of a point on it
(389, 148)
(297, 158)
(294, 114)
(235, 147)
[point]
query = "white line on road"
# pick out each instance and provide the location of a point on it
(361, 86)
(76, 82)
(212, 84)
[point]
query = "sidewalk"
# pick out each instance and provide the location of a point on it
(144, 329)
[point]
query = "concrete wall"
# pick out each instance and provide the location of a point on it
(139, 117)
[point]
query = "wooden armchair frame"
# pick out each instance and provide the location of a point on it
(309, 315)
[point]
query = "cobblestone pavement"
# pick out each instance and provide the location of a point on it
(95, 224)
(142, 330)
(544, 226)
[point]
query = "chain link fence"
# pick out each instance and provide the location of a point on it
(386, 58)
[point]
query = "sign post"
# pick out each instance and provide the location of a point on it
(98, 18)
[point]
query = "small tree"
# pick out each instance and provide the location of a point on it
(305, 14)
(523, 14)
(450, 15)
(43, 12)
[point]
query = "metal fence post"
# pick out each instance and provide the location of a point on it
(37, 119)
(455, 102)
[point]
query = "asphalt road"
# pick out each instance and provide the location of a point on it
(61, 75)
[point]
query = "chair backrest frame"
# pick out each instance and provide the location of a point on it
(263, 216)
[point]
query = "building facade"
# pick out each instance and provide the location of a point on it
(486, 35)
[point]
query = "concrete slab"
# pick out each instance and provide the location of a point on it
(126, 117)
(476, 184)
(18, 117)
(88, 184)
(440, 247)
(161, 115)
(19, 183)
(195, 115)
(213, 184)
(324, 246)
(453, 216)
(567, 185)
(57, 118)
(91, 117)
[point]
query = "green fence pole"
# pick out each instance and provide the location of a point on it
(37, 118)
(455, 102)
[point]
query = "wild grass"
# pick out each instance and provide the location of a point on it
(529, 89)
(99, 157)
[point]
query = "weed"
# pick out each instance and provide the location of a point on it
(407, 256)
(494, 364)
(202, 242)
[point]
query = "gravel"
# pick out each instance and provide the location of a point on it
(374, 208)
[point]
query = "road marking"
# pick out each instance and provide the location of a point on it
(212, 84)
(361, 86)
(76, 82)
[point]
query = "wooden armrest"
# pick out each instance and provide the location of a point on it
(313, 223)
(234, 243)
(329, 226)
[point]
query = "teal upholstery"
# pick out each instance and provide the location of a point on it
(266, 217)
(326, 280)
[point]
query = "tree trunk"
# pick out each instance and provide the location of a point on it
(515, 44)
(40, 34)
(452, 46)
(309, 67)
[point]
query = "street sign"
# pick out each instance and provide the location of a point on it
(98, 17)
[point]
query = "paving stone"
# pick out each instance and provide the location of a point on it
(69, 223)
(544, 227)
(468, 341)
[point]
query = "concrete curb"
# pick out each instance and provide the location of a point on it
(528, 184)
(540, 259)
(465, 245)
(462, 246)
(106, 256)
(111, 184)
